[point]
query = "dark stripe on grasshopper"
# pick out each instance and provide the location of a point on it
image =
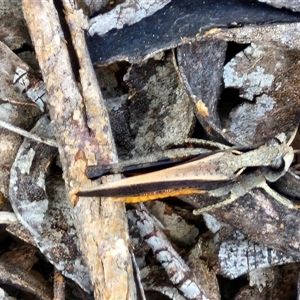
(94, 172)
(156, 187)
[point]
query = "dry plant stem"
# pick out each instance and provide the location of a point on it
(83, 134)
(15, 102)
(178, 272)
(27, 134)
(140, 289)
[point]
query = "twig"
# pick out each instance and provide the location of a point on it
(140, 289)
(84, 137)
(177, 270)
(58, 286)
(16, 102)
(27, 134)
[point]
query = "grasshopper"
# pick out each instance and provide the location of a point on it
(207, 172)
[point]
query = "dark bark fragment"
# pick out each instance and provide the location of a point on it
(172, 26)
(201, 69)
(264, 220)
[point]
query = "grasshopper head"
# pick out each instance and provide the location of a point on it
(280, 164)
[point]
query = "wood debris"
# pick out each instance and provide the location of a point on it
(165, 74)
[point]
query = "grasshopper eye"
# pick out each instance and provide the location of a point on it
(277, 168)
(274, 142)
(278, 164)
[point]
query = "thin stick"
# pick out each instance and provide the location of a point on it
(59, 286)
(27, 134)
(83, 134)
(15, 102)
(178, 272)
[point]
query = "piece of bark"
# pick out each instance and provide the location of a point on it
(140, 247)
(264, 220)
(267, 281)
(84, 137)
(201, 270)
(251, 293)
(13, 32)
(272, 280)
(156, 113)
(23, 256)
(268, 90)
(19, 231)
(239, 257)
(126, 13)
(160, 113)
(260, 75)
(290, 4)
(235, 255)
(137, 274)
(93, 5)
(119, 117)
(276, 282)
(289, 185)
(283, 35)
(201, 68)
(178, 23)
(29, 83)
(12, 7)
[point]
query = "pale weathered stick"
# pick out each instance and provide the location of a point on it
(178, 272)
(83, 134)
(27, 134)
